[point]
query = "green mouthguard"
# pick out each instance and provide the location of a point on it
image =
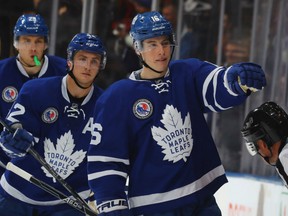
(36, 60)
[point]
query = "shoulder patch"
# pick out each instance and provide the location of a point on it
(9, 94)
(142, 108)
(50, 115)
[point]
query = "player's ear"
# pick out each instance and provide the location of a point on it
(15, 44)
(137, 47)
(69, 64)
(137, 51)
(261, 144)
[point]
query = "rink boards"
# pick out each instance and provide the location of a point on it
(246, 195)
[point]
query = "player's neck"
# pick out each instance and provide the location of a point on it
(148, 74)
(74, 99)
(275, 153)
(31, 70)
(75, 90)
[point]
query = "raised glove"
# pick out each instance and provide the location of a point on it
(245, 77)
(16, 144)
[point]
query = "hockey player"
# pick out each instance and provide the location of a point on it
(151, 128)
(57, 116)
(31, 42)
(265, 131)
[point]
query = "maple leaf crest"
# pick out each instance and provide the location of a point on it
(176, 136)
(62, 158)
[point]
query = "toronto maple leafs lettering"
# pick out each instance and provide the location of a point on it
(176, 138)
(169, 145)
(61, 138)
(62, 158)
(60, 162)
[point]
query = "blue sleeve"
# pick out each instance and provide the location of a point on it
(108, 162)
(208, 82)
(23, 110)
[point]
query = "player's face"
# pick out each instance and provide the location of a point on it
(86, 67)
(156, 52)
(265, 152)
(29, 46)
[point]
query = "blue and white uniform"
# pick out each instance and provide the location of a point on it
(62, 131)
(13, 76)
(155, 133)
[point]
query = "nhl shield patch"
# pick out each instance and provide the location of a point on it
(50, 115)
(142, 108)
(9, 94)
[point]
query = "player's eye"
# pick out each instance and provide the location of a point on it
(165, 43)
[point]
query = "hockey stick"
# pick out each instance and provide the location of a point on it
(44, 186)
(41, 160)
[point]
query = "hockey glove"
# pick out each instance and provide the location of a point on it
(245, 77)
(16, 144)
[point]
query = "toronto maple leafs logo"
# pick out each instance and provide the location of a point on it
(176, 136)
(62, 158)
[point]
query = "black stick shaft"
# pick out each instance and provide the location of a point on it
(4, 124)
(56, 176)
(46, 187)
(41, 160)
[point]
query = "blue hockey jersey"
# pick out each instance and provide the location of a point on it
(13, 76)
(62, 132)
(155, 133)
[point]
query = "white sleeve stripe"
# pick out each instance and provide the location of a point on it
(214, 94)
(12, 191)
(226, 83)
(106, 173)
(186, 190)
(107, 159)
(214, 77)
(205, 87)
